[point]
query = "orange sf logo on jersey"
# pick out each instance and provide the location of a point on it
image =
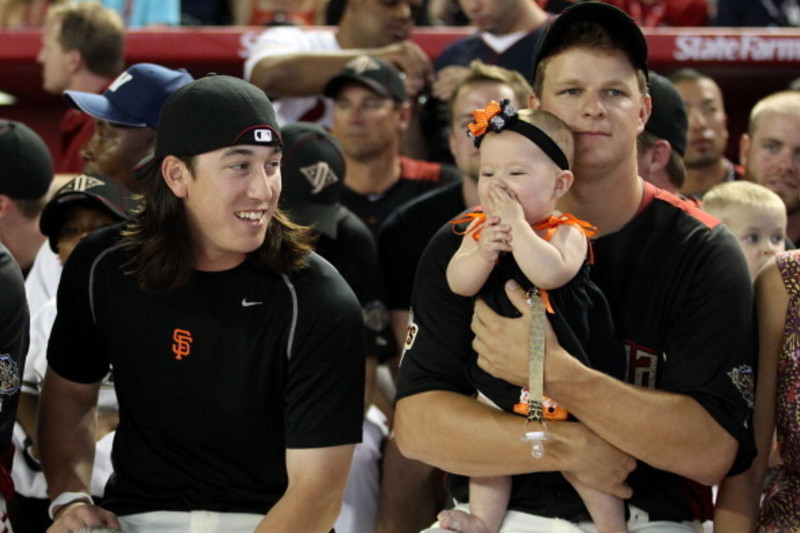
(183, 343)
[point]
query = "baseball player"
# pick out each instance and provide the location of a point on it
(237, 352)
(14, 323)
(680, 297)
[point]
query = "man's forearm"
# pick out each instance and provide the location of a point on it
(300, 74)
(308, 511)
(434, 426)
(66, 434)
(313, 499)
(672, 432)
(458, 434)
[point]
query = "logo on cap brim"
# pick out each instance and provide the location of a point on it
(263, 136)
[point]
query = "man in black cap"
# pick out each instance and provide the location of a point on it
(661, 145)
(84, 204)
(14, 322)
(370, 114)
(237, 352)
(313, 169)
(680, 296)
(25, 177)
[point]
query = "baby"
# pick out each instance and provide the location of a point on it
(524, 170)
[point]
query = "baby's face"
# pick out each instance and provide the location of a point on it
(522, 169)
(79, 221)
(761, 232)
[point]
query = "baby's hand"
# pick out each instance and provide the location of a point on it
(502, 203)
(495, 238)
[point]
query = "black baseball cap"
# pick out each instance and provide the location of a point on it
(211, 113)
(26, 167)
(135, 98)
(92, 190)
(380, 77)
(615, 21)
(668, 119)
(312, 171)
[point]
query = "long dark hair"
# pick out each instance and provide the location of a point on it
(160, 241)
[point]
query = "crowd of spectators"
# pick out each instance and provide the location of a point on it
(371, 135)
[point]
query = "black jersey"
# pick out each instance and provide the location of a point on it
(215, 380)
(355, 256)
(14, 331)
(416, 178)
(681, 301)
(406, 233)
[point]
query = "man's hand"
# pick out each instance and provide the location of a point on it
(596, 463)
(502, 343)
(77, 515)
(447, 80)
(412, 61)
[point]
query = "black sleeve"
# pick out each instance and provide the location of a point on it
(325, 381)
(714, 364)
(438, 344)
(73, 350)
(14, 330)
(398, 260)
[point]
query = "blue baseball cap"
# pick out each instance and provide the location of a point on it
(135, 98)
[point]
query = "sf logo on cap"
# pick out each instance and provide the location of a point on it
(263, 136)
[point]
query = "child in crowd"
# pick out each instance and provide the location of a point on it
(524, 170)
(754, 214)
(84, 204)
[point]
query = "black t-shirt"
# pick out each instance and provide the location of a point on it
(354, 254)
(681, 300)
(14, 331)
(406, 233)
(215, 380)
(416, 178)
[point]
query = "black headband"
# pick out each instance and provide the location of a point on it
(498, 117)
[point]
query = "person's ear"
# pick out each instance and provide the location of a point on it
(660, 155)
(5, 206)
(563, 183)
(744, 148)
(404, 115)
(176, 175)
(533, 101)
(644, 112)
(74, 60)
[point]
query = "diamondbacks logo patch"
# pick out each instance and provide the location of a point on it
(182, 345)
(362, 64)
(376, 315)
(742, 378)
(9, 378)
(83, 183)
(319, 176)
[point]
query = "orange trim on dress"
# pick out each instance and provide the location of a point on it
(550, 224)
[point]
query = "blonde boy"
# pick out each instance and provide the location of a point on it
(754, 214)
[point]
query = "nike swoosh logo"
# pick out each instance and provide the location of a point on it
(245, 303)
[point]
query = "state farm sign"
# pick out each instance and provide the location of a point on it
(737, 48)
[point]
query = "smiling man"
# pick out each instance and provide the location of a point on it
(237, 352)
(770, 152)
